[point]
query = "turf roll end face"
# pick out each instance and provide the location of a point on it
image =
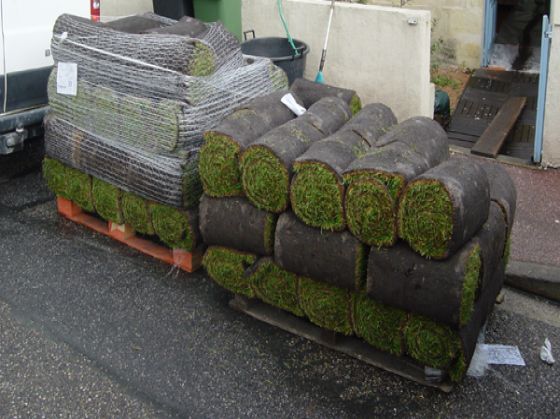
(326, 306)
(379, 325)
(355, 104)
(370, 212)
(79, 189)
(174, 227)
(265, 179)
(317, 195)
(425, 218)
(137, 214)
(107, 201)
(219, 166)
(54, 173)
(277, 287)
(471, 285)
(430, 343)
(228, 268)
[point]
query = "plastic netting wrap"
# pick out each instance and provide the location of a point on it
(169, 180)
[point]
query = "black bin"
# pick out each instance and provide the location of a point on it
(174, 9)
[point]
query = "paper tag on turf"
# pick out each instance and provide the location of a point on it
(291, 103)
(503, 355)
(67, 79)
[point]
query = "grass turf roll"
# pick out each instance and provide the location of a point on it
(107, 201)
(234, 222)
(443, 291)
(406, 151)
(337, 258)
(326, 306)
(317, 189)
(218, 163)
(502, 191)
(379, 325)
(79, 189)
(443, 208)
(267, 164)
(276, 286)
(430, 343)
(311, 92)
(228, 267)
(137, 213)
(54, 173)
(177, 228)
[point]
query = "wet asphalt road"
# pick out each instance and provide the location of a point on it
(90, 328)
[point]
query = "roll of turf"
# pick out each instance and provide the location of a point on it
(326, 306)
(276, 286)
(267, 164)
(79, 189)
(218, 164)
(443, 291)
(177, 228)
(137, 213)
(406, 151)
(502, 191)
(443, 208)
(54, 173)
(107, 200)
(336, 258)
(317, 189)
(228, 267)
(311, 92)
(234, 222)
(379, 325)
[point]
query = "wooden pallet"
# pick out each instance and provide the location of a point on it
(349, 345)
(187, 261)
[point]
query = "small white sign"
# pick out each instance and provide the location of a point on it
(67, 79)
(503, 354)
(291, 103)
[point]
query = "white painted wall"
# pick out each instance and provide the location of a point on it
(551, 139)
(372, 49)
(117, 8)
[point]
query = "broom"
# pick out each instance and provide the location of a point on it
(319, 78)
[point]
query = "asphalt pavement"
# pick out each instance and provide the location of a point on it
(89, 327)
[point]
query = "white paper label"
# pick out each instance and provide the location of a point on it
(503, 354)
(67, 79)
(291, 103)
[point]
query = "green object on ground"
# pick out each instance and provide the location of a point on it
(277, 287)
(219, 166)
(174, 227)
(379, 325)
(136, 211)
(54, 173)
(226, 11)
(265, 179)
(107, 201)
(228, 267)
(327, 306)
(317, 194)
(425, 218)
(430, 343)
(79, 189)
(370, 212)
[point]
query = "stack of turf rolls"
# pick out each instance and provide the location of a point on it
(126, 145)
(380, 234)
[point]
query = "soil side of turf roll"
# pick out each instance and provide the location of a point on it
(235, 223)
(311, 92)
(466, 183)
(398, 277)
(334, 258)
(502, 191)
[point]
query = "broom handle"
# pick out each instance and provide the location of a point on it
(324, 53)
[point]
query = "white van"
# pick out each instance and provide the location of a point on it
(26, 61)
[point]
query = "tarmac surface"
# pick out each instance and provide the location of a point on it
(89, 327)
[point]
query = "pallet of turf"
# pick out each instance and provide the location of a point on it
(267, 164)
(317, 188)
(377, 178)
(443, 208)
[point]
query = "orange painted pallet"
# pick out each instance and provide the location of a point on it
(187, 261)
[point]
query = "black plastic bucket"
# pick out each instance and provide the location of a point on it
(280, 52)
